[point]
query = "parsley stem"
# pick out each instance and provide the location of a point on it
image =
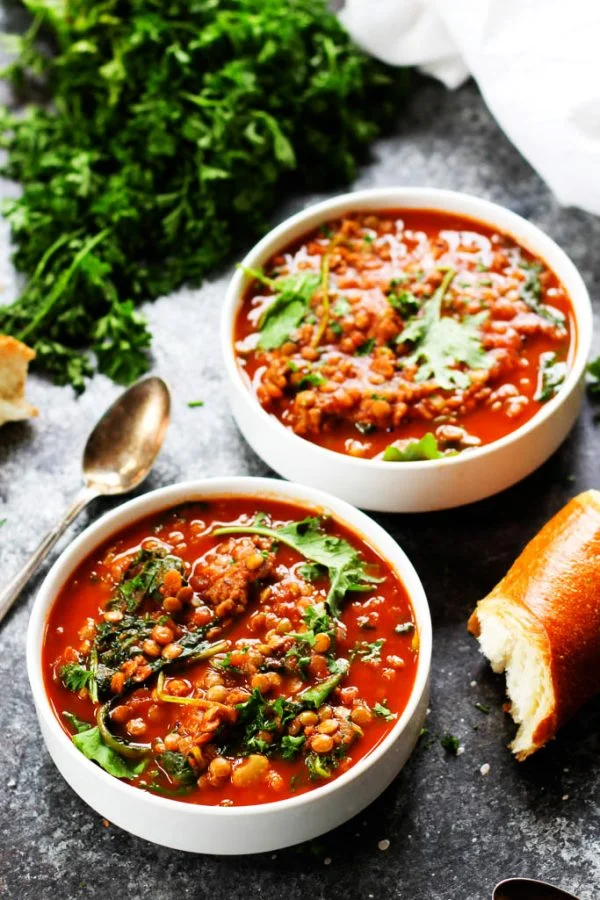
(438, 297)
(57, 291)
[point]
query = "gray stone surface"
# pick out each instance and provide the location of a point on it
(452, 832)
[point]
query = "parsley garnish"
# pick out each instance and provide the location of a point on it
(441, 343)
(551, 374)
(160, 141)
(450, 743)
(368, 652)
(414, 451)
(194, 403)
(291, 298)
(380, 709)
(366, 348)
(593, 370)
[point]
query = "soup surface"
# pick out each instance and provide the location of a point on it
(230, 652)
(404, 335)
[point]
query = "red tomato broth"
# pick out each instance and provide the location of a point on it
(336, 427)
(92, 584)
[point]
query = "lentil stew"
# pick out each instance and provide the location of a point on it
(231, 652)
(404, 335)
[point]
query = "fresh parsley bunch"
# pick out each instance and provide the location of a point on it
(168, 135)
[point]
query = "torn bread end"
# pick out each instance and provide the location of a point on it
(14, 360)
(514, 645)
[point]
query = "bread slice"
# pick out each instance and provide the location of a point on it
(541, 624)
(14, 360)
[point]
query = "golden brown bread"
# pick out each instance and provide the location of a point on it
(541, 623)
(14, 360)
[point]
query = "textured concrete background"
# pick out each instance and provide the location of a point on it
(452, 832)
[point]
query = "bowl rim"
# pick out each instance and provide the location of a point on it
(429, 199)
(126, 513)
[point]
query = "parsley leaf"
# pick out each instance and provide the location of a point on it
(368, 652)
(450, 743)
(75, 677)
(551, 374)
(291, 745)
(169, 136)
(441, 343)
(594, 370)
(292, 296)
(416, 450)
(381, 710)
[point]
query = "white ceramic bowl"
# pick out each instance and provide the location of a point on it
(410, 486)
(244, 829)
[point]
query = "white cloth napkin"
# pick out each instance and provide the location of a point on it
(537, 64)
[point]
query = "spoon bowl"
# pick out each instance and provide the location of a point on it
(118, 455)
(529, 889)
(123, 445)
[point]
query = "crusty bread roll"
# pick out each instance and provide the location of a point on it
(541, 624)
(14, 359)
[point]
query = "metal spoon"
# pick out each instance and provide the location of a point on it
(118, 455)
(529, 889)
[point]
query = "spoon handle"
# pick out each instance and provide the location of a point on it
(14, 587)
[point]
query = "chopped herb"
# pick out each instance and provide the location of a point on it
(291, 745)
(78, 725)
(336, 328)
(342, 307)
(323, 765)
(194, 403)
(450, 743)
(368, 652)
(441, 343)
(594, 370)
(482, 708)
(75, 677)
(405, 628)
(551, 375)
(326, 231)
(380, 709)
(311, 572)
(346, 568)
(404, 302)
(414, 451)
(144, 578)
(177, 768)
(291, 298)
(364, 427)
(365, 348)
(311, 379)
(481, 267)
(368, 238)
(531, 294)
(3, 522)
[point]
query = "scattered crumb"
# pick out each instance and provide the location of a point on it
(274, 856)
(565, 796)
(383, 845)
(485, 769)
(327, 861)
(106, 823)
(473, 683)
(460, 750)
(474, 840)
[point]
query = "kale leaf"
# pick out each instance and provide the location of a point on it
(91, 743)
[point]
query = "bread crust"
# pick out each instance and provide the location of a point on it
(553, 588)
(14, 360)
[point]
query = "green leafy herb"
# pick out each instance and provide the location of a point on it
(342, 307)
(368, 652)
(292, 296)
(482, 708)
(291, 745)
(403, 301)
(347, 570)
(170, 134)
(321, 765)
(380, 709)
(144, 578)
(404, 628)
(75, 677)
(177, 768)
(2, 522)
(425, 448)
(450, 743)
(193, 404)
(78, 725)
(594, 370)
(551, 374)
(365, 348)
(531, 294)
(311, 572)
(311, 379)
(92, 745)
(441, 343)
